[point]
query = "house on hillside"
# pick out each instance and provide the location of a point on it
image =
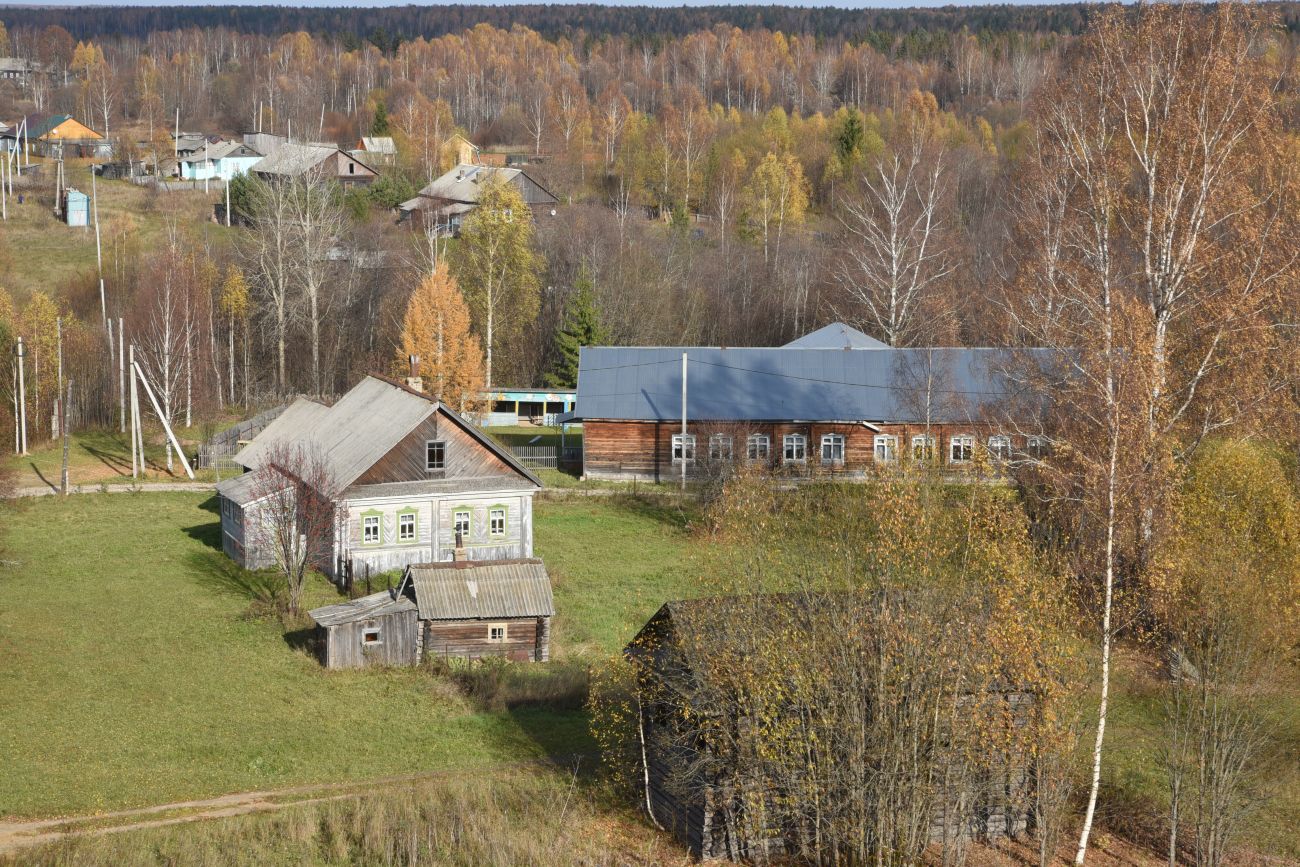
(462, 610)
(691, 768)
(411, 482)
(53, 135)
(377, 149)
(291, 160)
(451, 198)
(834, 401)
(221, 160)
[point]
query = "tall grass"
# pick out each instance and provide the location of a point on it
(525, 817)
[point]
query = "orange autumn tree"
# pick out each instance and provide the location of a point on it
(436, 328)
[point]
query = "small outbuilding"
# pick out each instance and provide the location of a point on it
(380, 629)
(76, 208)
(463, 609)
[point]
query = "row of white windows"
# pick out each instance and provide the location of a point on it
(374, 635)
(794, 448)
(407, 528)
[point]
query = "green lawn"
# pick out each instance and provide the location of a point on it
(102, 456)
(134, 669)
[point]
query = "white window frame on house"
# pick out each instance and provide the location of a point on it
(455, 523)
(922, 447)
(794, 449)
(885, 448)
(832, 449)
(961, 449)
(680, 441)
(430, 462)
(368, 523)
(495, 514)
(1038, 446)
(372, 635)
(1000, 447)
(720, 447)
(498, 632)
(758, 447)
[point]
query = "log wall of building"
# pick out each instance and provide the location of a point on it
(527, 639)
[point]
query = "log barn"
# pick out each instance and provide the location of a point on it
(416, 483)
(835, 401)
(694, 786)
(461, 610)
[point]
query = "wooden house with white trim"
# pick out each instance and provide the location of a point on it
(411, 482)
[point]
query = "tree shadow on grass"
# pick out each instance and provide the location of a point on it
(217, 572)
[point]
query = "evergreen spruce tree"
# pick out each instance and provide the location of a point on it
(379, 126)
(581, 328)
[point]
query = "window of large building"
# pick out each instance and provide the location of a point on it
(406, 527)
(370, 530)
(832, 448)
(497, 521)
(961, 449)
(758, 447)
(1000, 447)
(460, 524)
(1038, 446)
(922, 447)
(794, 449)
(497, 632)
(435, 455)
(720, 447)
(886, 448)
(684, 448)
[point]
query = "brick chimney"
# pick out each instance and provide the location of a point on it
(413, 381)
(459, 554)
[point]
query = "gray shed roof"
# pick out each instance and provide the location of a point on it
(378, 144)
(299, 417)
(837, 335)
(793, 384)
(239, 489)
(374, 605)
(482, 591)
(292, 159)
(463, 183)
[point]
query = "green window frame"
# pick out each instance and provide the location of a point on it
(456, 512)
(414, 514)
(378, 518)
(504, 511)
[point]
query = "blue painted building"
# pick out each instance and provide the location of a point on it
(220, 161)
(514, 406)
(76, 208)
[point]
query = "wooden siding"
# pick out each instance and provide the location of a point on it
(527, 639)
(341, 646)
(436, 545)
(466, 456)
(643, 450)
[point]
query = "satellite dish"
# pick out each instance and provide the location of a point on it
(552, 212)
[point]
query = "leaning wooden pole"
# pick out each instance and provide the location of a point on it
(171, 437)
(135, 421)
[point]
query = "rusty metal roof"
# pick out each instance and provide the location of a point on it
(374, 605)
(482, 591)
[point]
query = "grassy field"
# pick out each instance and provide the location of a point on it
(100, 456)
(135, 668)
(39, 252)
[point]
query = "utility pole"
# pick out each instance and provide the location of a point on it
(121, 374)
(22, 398)
(227, 203)
(207, 169)
(58, 394)
(99, 257)
(63, 424)
(176, 444)
(683, 422)
(136, 454)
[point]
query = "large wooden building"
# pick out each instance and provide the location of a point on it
(461, 610)
(691, 771)
(834, 401)
(451, 198)
(412, 482)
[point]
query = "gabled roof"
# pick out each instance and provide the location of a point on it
(382, 144)
(795, 384)
(39, 125)
(464, 183)
(292, 159)
(481, 591)
(298, 420)
(219, 151)
(837, 335)
(360, 428)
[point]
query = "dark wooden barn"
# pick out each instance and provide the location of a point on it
(687, 792)
(470, 610)
(380, 629)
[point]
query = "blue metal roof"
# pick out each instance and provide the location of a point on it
(837, 335)
(795, 384)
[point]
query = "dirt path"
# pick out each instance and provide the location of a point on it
(143, 487)
(19, 834)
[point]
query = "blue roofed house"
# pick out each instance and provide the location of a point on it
(833, 401)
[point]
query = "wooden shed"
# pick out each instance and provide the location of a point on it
(470, 610)
(380, 629)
